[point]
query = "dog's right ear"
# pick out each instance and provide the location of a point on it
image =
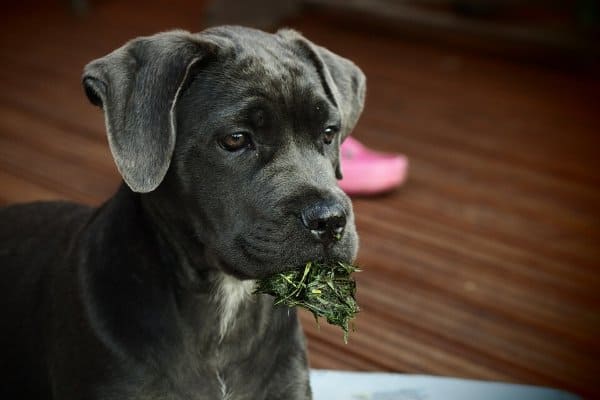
(138, 86)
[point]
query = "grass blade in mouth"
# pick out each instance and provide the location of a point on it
(326, 291)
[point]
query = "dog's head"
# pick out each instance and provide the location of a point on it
(234, 135)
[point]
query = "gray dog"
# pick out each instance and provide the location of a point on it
(228, 144)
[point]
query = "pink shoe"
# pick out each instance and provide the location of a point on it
(368, 172)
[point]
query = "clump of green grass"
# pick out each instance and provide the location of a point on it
(327, 291)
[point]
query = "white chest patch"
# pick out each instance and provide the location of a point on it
(225, 394)
(230, 294)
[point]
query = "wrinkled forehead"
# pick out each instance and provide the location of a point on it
(261, 72)
(255, 51)
(277, 74)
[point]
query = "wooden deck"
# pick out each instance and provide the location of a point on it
(484, 265)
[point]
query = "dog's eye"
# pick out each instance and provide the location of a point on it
(236, 141)
(329, 133)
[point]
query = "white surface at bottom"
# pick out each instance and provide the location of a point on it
(338, 385)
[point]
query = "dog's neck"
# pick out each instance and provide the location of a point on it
(198, 271)
(195, 296)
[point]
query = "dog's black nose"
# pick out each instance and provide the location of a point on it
(325, 220)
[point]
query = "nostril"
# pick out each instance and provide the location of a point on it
(338, 222)
(313, 221)
(337, 226)
(320, 225)
(325, 221)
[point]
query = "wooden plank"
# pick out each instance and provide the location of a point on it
(19, 190)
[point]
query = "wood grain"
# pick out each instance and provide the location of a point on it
(484, 265)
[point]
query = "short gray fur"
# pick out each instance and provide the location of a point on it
(126, 301)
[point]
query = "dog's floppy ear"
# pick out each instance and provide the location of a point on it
(344, 82)
(137, 86)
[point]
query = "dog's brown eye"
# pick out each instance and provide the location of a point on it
(329, 134)
(236, 141)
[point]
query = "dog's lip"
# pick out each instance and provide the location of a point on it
(250, 269)
(325, 256)
(324, 261)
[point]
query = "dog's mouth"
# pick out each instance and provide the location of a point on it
(241, 275)
(245, 262)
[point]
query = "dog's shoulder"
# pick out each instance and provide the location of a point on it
(38, 231)
(24, 222)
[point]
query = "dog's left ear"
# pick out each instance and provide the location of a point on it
(137, 86)
(343, 81)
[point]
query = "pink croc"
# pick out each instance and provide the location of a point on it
(368, 172)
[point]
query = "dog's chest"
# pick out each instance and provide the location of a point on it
(257, 353)
(247, 379)
(215, 376)
(212, 386)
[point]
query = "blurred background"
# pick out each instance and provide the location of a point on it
(485, 263)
